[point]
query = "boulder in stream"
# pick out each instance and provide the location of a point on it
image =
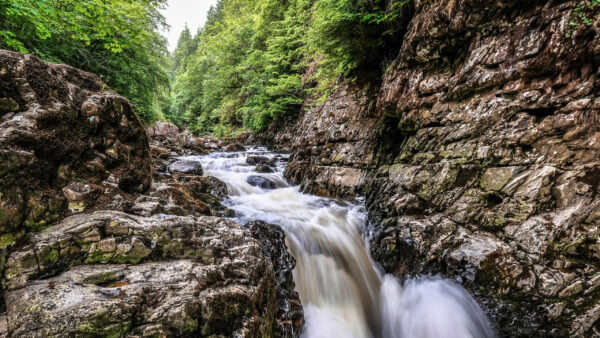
(186, 167)
(256, 160)
(234, 147)
(263, 169)
(261, 182)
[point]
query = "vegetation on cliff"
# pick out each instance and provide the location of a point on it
(116, 39)
(256, 60)
(253, 61)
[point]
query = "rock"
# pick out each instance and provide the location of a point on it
(256, 160)
(164, 276)
(263, 169)
(163, 129)
(234, 147)
(186, 167)
(261, 182)
(494, 179)
(63, 132)
(271, 239)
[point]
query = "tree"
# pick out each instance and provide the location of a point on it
(116, 39)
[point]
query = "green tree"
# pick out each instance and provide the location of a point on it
(116, 39)
(257, 60)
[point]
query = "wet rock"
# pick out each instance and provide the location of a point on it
(234, 147)
(263, 169)
(271, 240)
(261, 182)
(186, 167)
(256, 160)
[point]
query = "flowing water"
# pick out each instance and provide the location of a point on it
(343, 292)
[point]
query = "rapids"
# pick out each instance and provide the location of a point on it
(343, 292)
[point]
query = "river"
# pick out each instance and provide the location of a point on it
(343, 291)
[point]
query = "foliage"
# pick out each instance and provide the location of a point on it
(116, 39)
(257, 60)
(584, 13)
(352, 34)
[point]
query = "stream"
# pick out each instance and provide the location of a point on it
(343, 291)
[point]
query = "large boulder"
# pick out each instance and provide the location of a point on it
(113, 274)
(163, 130)
(261, 182)
(186, 167)
(64, 136)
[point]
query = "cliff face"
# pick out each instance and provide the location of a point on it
(333, 144)
(480, 159)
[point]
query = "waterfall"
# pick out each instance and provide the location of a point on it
(343, 292)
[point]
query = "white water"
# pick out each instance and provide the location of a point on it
(343, 292)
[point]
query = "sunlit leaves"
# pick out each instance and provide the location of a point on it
(257, 60)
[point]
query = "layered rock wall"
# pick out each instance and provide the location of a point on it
(480, 160)
(333, 143)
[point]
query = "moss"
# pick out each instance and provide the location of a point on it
(29, 261)
(99, 257)
(189, 326)
(76, 206)
(137, 253)
(102, 325)
(49, 256)
(423, 158)
(173, 248)
(104, 277)
(572, 248)
(6, 240)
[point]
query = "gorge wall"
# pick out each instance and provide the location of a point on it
(479, 158)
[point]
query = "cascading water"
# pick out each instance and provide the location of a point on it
(343, 292)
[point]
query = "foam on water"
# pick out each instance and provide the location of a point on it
(343, 292)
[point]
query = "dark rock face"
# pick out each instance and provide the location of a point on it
(263, 169)
(60, 127)
(261, 182)
(271, 239)
(480, 159)
(186, 167)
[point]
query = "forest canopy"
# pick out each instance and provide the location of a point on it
(117, 39)
(254, 61)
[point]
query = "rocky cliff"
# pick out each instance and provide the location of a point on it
(141, 251)
(478, 156)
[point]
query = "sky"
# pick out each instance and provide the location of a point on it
(180, 12)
